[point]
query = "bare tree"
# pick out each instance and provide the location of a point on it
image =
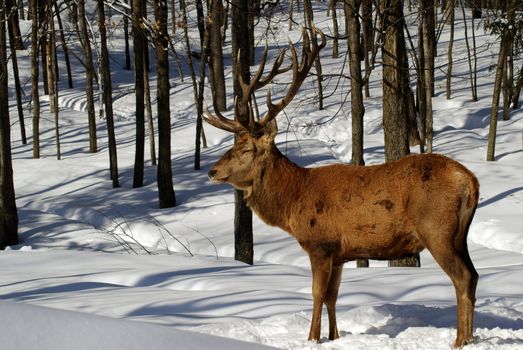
(107, 93)
(89, 75)
(14, 60)
(309, 22)
(166, 193)
(52, 81)
(8, 211)
(243, 237)
(395, 87)
(139, 42)
(217, 75)
(35, 27)
(427, 10)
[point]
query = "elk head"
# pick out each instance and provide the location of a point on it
(254, 142)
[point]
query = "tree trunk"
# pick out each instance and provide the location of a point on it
(367, 38)
(428, 71)
(149, 113)
(332, 6)
(107, 94)
(127, 50)
(34, 78)
(64, 47)
(139, 41)
(89, 76)
(395, 102)
(357, 109)
(309, 22)
(42, 18)
(166, 193)
(52, 74)
(13, 23)
(243, 238)
(216, 56)
(8, 211)
(16, 76)
(449, 14)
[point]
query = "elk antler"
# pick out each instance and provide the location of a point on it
(244, 121)
(299, 73)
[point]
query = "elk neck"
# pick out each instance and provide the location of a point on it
(277, 188)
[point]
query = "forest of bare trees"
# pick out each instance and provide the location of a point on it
(195, 41)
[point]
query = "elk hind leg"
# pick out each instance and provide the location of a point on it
(454, 259)
(330, 300)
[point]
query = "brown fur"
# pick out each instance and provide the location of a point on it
(340, 213)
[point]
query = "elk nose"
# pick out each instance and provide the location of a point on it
(211, 174)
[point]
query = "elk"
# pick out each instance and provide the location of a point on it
(344, 212)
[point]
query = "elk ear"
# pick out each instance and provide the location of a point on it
(270, 131)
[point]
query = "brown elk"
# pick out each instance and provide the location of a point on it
(340, 212)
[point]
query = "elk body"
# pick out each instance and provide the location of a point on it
(340, 213)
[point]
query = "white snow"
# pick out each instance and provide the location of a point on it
(80, 277)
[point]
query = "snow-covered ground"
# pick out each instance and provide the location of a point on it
(73, 282)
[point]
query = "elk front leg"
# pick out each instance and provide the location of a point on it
(321, 272)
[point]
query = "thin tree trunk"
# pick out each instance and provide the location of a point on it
(8, 210)
(139, 55)
(51, 74)
(450, 21)
(472, 69)
(16, 76)
(428, 71)
(34, 78)
(127, 50)
(358, 110)
(64, 48)
(89, 76)
(43, 43)
(217, 74)
(243, 233)
(367, 37)
(107, 94)
(150, 122)
(166, 193)
(491, 142)
(199, 99)
(335, 49)
(309, 20)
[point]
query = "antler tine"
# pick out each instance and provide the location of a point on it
(299, 73)
(219, 121)
(274, 71)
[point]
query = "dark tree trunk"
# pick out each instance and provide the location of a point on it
(164, 177)
(34, 79)
(64, 47)
(14, 24)
(395, 97)
(89, 76)
(16, 76)
(243, 238)
(52, 74)
(42, 18)
(8, 211)
(216, 56)
(127, 51)
(107, 94)
(357, 109)
(139, 41)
